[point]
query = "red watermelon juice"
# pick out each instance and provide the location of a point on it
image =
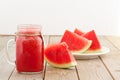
(29, 49)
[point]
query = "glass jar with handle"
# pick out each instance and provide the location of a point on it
(29, 49)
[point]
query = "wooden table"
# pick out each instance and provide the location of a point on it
(105, 67)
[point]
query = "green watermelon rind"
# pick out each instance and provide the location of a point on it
(93, 51)
(85, 48)
(65, 65)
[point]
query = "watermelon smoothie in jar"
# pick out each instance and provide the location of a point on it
(29, 49)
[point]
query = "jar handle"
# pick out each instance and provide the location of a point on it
(42, 45)
(9, 60)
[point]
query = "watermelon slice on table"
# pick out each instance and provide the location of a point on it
(79, 32)
(58, 55)
(75, 42)
(96, 46)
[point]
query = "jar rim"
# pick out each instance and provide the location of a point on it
(20, 34)
(29, 26)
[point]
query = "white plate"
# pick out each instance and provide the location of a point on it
(104, 50)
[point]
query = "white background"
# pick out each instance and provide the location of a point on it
(57, 15)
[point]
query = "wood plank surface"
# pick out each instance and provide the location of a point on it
(5, 68)
(112, 60)
(115, 40)
(56, 73)
(93, 69)
(105, 67)
(54, 39)
(18, 76)
(105, 42)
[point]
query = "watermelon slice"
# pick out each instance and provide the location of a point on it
(58, 55)
(75, 42)
(79, 32)
(96, 46)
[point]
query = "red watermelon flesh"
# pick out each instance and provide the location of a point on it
(58, 55)
(79, 32)
(96, 46)
(75, 42)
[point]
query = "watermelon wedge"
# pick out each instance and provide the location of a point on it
(79, 32)
(96, 46)
(58, 55)
(75, 42)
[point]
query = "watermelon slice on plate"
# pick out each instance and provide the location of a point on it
(96, 46)
(75, 42)
(91, 55)
(58, 55)
(79, 32)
